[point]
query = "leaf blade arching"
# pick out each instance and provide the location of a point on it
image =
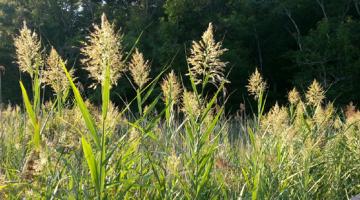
(32, 115)
(89, 122)
(92, 164)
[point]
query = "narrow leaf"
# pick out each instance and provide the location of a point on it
(84, 111)
(90, 159)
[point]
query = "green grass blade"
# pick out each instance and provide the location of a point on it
(256, 186)
(106, 93)
(92, 164)
(32, 115)
(211, 127)
(211, 103)
(84, 111)
(36, 92)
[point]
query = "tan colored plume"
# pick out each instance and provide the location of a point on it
(294, 96)
(139, 69)
(171, 88)
(28, 51)
(205, 59)
(54, 75)
(101, 50)
(256, 84)
(315, 94)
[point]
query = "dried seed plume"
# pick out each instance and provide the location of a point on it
(28, 51)
(104, 49)
(315, 94)
(139, 69)
(256, 84)
(205, 59)
(53, 75)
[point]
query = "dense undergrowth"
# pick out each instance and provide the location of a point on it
(72, 149)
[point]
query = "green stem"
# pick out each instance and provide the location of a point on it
(138, 98)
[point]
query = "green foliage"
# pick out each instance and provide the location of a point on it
(33, 117)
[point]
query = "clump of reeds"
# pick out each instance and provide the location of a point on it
(298, 150)
(29, 60)
(276, 120)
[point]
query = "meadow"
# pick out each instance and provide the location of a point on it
(176, 144)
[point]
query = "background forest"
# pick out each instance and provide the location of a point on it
(292, 42)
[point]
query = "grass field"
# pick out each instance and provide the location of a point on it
(178, 144)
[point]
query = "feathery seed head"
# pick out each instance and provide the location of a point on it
(319, 115)
(172, 164)
(104, 49)
(294, 96)
(205, 59)
(352, 114)
(315, 94)
(134, 138)
(299, 114)
(28, 51)
(277, 120)
(114, 117)
(139, 69)
(54, 75)
(350, 110)
(171, 88)
(191, 106)
(323, 116)
(256, 85)
(330, 110)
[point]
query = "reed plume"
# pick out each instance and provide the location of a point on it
(205, 59)
(315, 94)
(256, 84)
(139, 69)
(54, 75)
(104, 49)
(172, 163)
(294, 96)
(191, 105)
(324, 116)
(276, 120)
(28, 51)
(352, 114)
(171, 88)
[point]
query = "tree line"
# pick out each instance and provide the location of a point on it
(291, 42)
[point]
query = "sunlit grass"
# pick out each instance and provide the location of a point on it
(176, 144)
